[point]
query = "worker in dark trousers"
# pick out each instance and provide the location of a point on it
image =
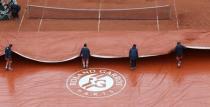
(8, 57)
(85, 54)
(133, 55)
(179, 50)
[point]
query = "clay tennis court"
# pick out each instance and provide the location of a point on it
(46, 55)
(188, 15)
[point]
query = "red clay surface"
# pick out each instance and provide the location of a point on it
(155, 83)
(190, 15)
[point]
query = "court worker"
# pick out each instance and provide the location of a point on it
(179, 50)
(85, 55)
(133, 56)
(8, 58)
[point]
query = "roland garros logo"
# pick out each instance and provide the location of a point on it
(96, 83)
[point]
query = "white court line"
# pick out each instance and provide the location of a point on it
(40, 24)
(99, 15)
(175, 9)
(157, 15)
(158, 23)
(41, 20)
(21, 22)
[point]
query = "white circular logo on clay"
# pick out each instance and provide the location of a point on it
(96, 83)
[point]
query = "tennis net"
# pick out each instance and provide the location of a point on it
(146, 13)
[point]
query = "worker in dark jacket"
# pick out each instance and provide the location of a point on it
(8, 57)
(85, 54)
(179, 50)
(133, 55)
